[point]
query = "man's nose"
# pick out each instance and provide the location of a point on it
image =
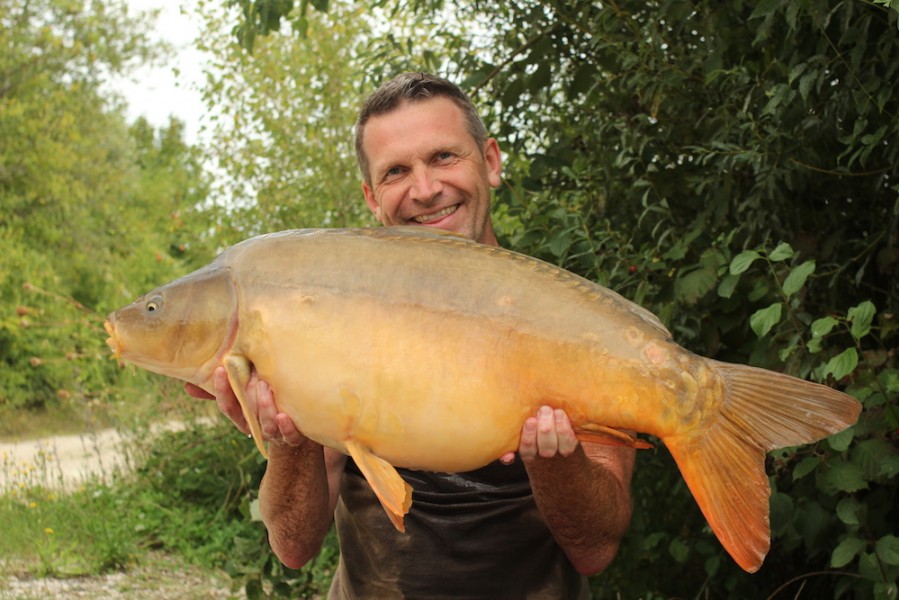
(425, 185)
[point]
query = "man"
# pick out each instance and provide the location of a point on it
(525, 527)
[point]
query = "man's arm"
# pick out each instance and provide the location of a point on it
(582, 491)
(302, 479)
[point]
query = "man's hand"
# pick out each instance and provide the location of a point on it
(277, 427)
(546, 435)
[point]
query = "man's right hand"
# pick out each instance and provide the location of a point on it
(277, 427)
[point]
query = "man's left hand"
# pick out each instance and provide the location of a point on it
(546, 435)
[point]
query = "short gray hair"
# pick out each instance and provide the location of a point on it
(414, 87)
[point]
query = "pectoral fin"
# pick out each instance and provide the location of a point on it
(238, 368)
(592, 433)
(394, 493)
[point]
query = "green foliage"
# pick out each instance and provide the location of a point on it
(732, 166)
(92, 213)
(283, 116)
(67, 535)
(686, 144)
(283, 128)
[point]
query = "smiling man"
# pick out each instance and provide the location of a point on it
(530, 525)
(427, 162)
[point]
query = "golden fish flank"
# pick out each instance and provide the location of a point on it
(417, 348)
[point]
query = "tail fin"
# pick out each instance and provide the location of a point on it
(724, 466)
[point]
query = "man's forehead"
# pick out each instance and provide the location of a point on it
(434, 120)
(437, 107)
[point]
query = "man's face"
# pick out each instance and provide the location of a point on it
(426, 169)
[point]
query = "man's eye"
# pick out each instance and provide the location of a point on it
(444, 155)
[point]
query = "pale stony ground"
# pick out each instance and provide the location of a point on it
(162, 578)
(63, 462)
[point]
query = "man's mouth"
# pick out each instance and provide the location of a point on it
(424, 219)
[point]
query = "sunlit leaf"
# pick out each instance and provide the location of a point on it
(823, 326)
(861, 316)
(783, 251)
(743, 261)
(842, 364)
(797, 277)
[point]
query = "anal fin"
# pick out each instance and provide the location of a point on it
(394, 494)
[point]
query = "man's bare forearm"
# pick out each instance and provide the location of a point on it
(586, 502)
(294, 500)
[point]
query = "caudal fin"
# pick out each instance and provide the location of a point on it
(724, 466)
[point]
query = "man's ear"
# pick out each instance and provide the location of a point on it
(371, 201)
(493, 158)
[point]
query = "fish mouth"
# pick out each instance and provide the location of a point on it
(443, 212)
(112, 340)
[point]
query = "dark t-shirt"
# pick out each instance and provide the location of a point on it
(474, 535)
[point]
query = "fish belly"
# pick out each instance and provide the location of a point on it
(441, 390)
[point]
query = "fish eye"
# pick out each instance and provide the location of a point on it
(154, 304)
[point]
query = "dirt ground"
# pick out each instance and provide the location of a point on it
(160, 578)
(63, 462)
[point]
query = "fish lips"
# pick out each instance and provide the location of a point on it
(113, 340)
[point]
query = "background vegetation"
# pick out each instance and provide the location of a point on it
(733, 166)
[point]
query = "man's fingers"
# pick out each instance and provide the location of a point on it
(567, 439)
(547, 440)
(527, 447)
(288, 430)
(547, 435)
(265, 408)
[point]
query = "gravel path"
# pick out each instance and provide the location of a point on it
(160, 578)
(62, 460)
(65, 461)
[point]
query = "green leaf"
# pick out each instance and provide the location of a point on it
(846, 551)
(255, 514)
(823, 326)
(765, 8)
(728, 285)
(679, 550)
(764, 319)
(839, 442)
(842, 476)
(887, 549)
(814, 345)
(783, 251)
(782, 511)
(797, 277)
(805, 466)
(848, 509)
(695, 284)
(743, 261)
(842, 364)
(861, 316)
(889, 467)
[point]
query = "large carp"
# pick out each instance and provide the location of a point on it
(416, 348)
